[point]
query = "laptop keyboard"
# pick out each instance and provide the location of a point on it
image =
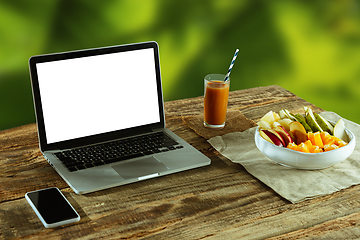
(110, 152)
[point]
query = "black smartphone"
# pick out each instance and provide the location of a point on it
(52, 208)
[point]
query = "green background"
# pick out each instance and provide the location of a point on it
(311, 48)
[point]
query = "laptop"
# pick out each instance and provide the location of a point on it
(100, 117)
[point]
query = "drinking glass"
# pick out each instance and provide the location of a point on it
(216, 92)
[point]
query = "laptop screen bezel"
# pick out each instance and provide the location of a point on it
(43, 143)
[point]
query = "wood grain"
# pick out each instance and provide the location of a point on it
(220, 201)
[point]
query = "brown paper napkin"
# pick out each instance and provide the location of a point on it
(292, 184)
(235, 122)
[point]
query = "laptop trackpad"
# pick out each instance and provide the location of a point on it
(141, 169)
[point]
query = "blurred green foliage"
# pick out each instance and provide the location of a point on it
(311, 48)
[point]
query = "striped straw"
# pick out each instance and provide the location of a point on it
(231, 65)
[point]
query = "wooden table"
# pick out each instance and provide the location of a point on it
(220, 201)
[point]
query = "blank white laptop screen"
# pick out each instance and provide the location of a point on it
(98, 94)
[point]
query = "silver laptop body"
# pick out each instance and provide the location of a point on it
(105, 96)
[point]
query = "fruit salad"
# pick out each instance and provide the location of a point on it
(309, 133)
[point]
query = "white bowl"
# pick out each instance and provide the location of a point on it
(307, 161)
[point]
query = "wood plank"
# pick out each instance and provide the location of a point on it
(346, 227)
(220, 201)
(238, 207)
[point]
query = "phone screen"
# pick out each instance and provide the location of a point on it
(52, 206)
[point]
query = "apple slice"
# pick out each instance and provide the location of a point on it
(268, 117)
(263, 125)
(285, 135)
(272, 136)
(285, 123)
(339, 131)
(276, 116)
(278, 136)
(299, 132)
(282, 114)
(275, 124)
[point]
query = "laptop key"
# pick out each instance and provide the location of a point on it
(72, 169)
(107, 161)
(98, 163)
(89, 165)
(123, 158)
(71, 164)
(149, 152)
(80, 167)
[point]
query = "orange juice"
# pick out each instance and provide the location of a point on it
(215, 103)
